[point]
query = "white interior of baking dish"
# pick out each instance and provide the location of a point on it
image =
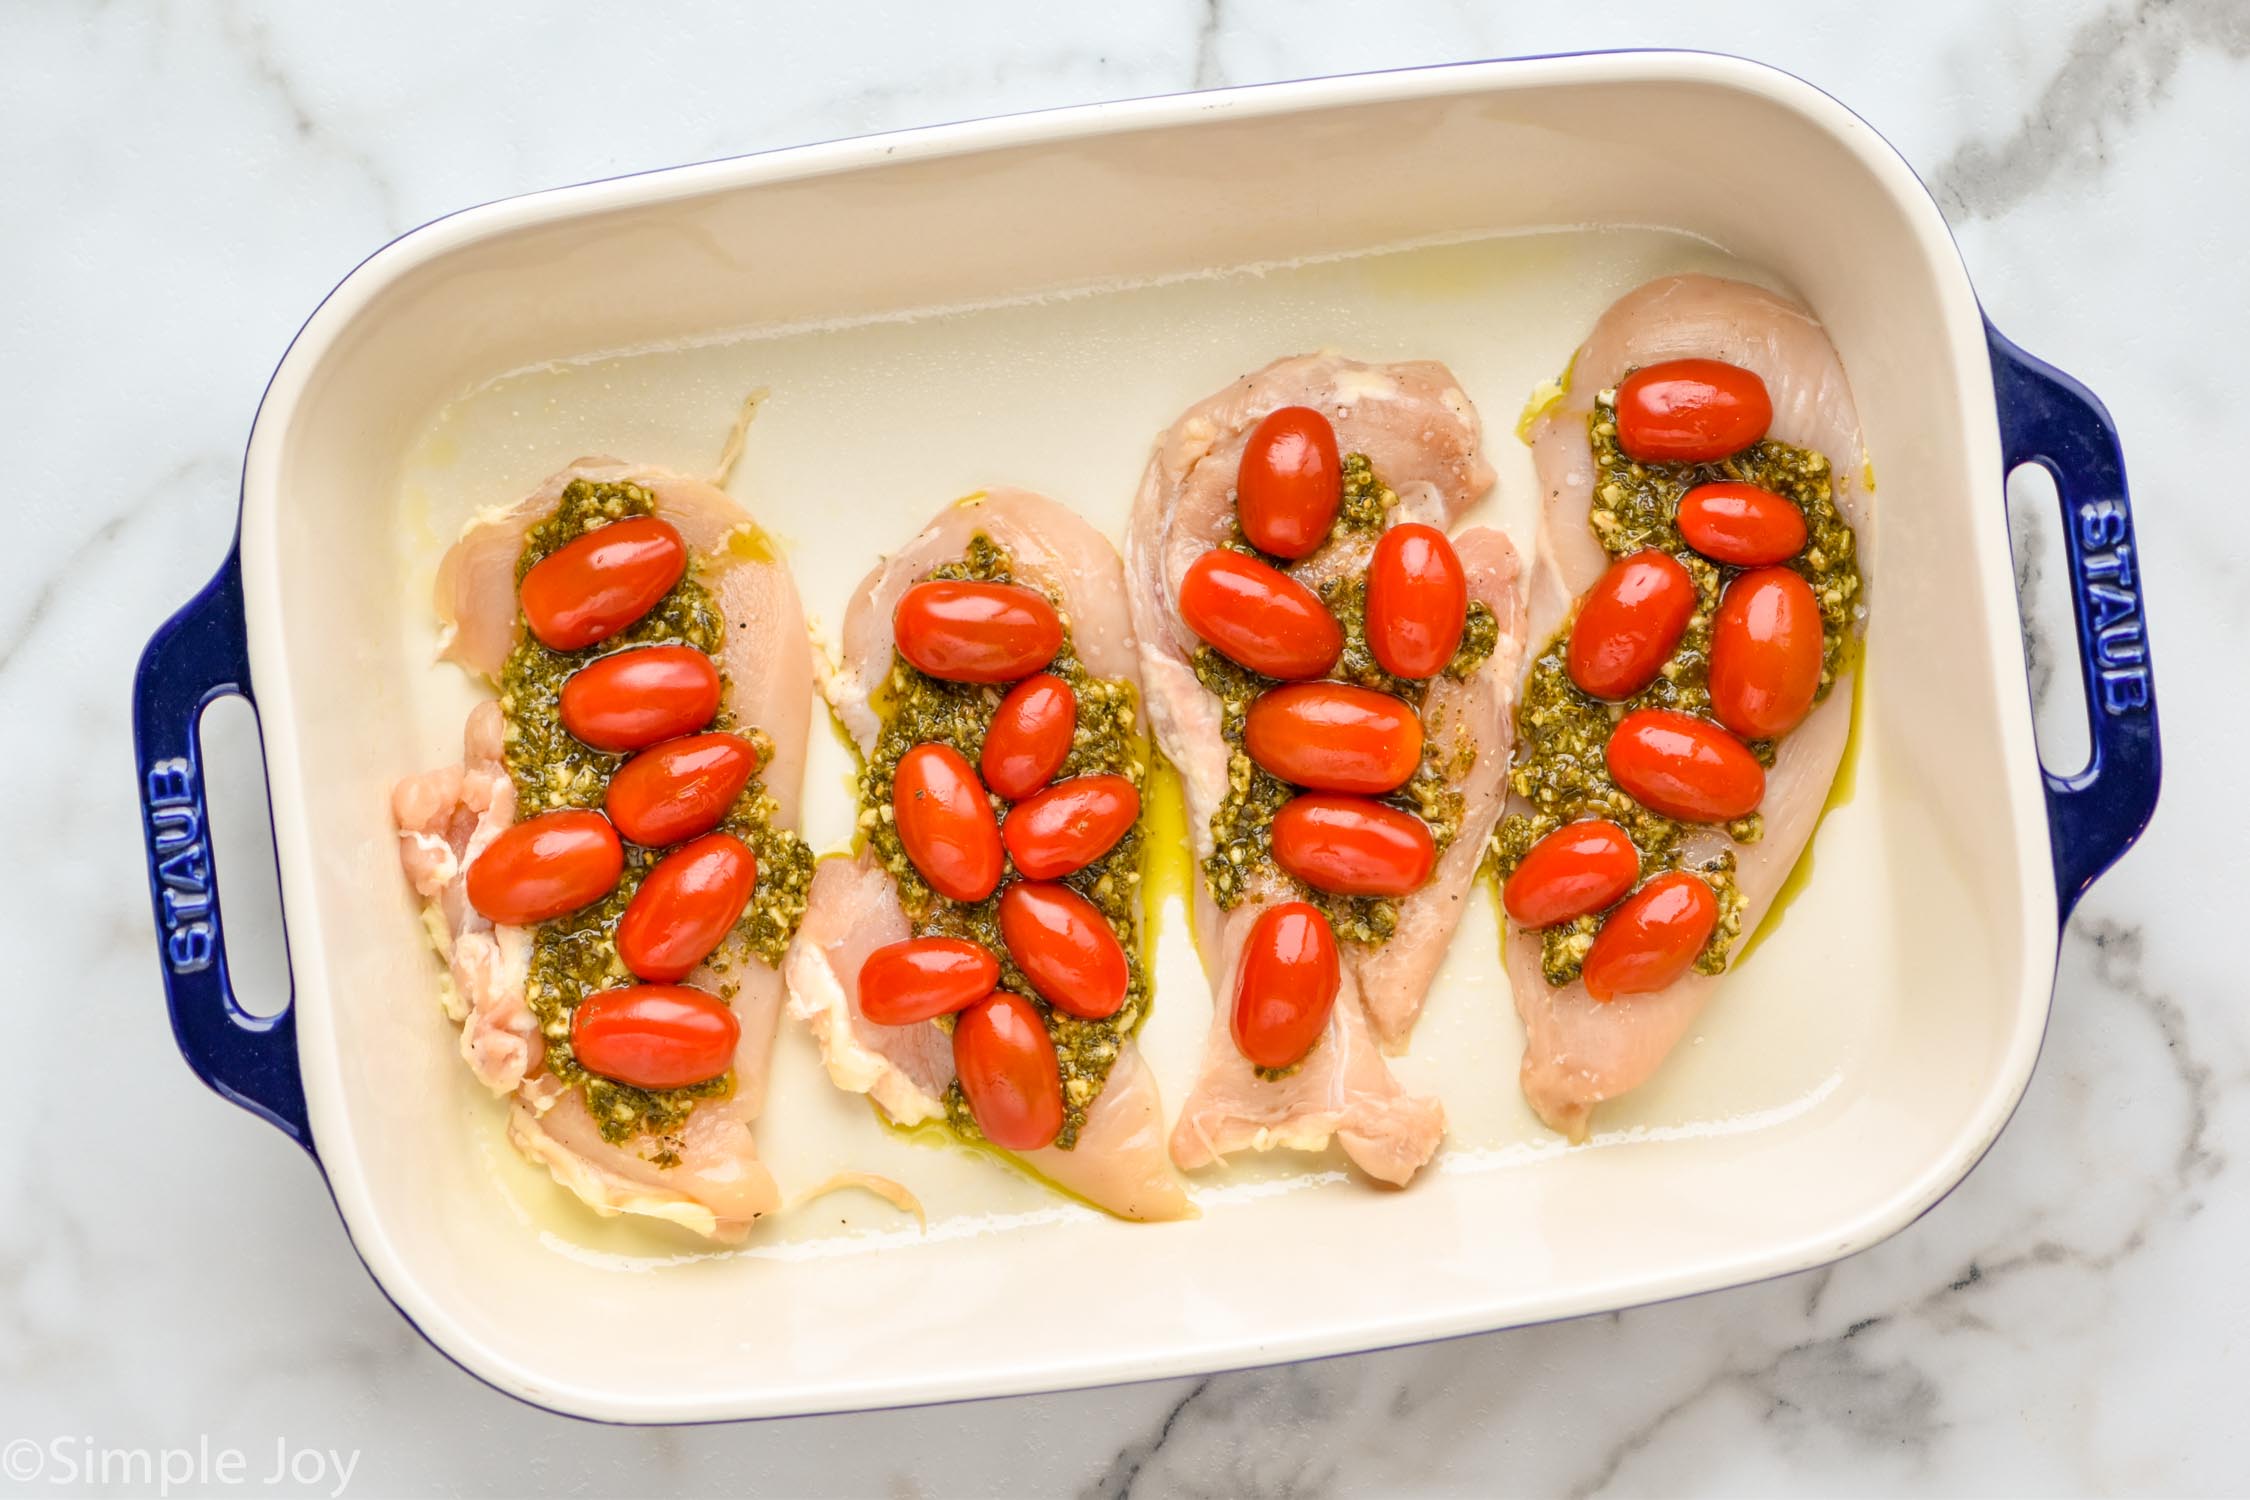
(1848, 1075)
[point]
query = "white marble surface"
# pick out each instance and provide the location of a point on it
(183, 182)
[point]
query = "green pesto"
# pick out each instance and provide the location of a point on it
(919, 709)
(576, 955)
(1561, 733)
(1367, 502)
(1242, 827)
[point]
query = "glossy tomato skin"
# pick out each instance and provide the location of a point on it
(962, 630)
(681, 789)
(1628, 624)
(685, 907)
(633, 699)
(1006, 1063)
(1353, 846)
(902, 983)
(1741, 524)
(1287, 985)
(1684, 767)
(1290, 483)
(1652, 938)
(1065, 948)
(546, 867)
(1579, 869)
(1030, 736)
(655, 1036)
(1417, 601)
(1765, 654)
(1069, 825)
(1334, 737)
(1691, 411)
(589, 589)
(945, 821)
(1259, 617)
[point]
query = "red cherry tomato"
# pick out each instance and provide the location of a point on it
(1579, 868)
(1334, 737)
(1690, 411)
(902, 983)
(637, 698)
(545, 867)
(1030, 736)
(1629, 623)
(1290, 484)
(1741, 524)
(1259, 616)
(1065, 948)
(1287, 985)
(964, 631)
(591, 588)
(1006, 1063)
(686, 906)
(945, 821)
(1651, 939)
(1684, 767)
(655, 1036)
(1417, 601)
(680, 789)
(1070, 825)
(1353, 846)
(1765, 654)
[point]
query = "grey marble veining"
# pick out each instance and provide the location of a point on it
(184, 182)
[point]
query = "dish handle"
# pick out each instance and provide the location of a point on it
(199, 655)
(2049, 419)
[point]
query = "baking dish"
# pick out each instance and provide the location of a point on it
(1962, 860)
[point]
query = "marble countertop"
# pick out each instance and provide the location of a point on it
(184, 182)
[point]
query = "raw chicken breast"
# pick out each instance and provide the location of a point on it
(1119, 1162)
(445, 819)
(1422, 438)
(1578, 1051)
(716, 1186)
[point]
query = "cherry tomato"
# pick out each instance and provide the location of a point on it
(1629, 623)
(1579, 868)
(634, 699)
(655, 1036)
(1651, 939)
(1065, 948)
(1070, 825)
(546, 866)
(1006, 1063)
(902, 983)
(686, 906)
(1287, 985)
(679, 789)
(1684, 767)
(1741, 524)
(1690, 411)
(1291, 483)
(945, 821)
(1334, 737)
(965, 631)
(1353, 846)
(1259, 616)
(1030, 736)
(1765, 654)
(591, 588)
(1417, 601)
